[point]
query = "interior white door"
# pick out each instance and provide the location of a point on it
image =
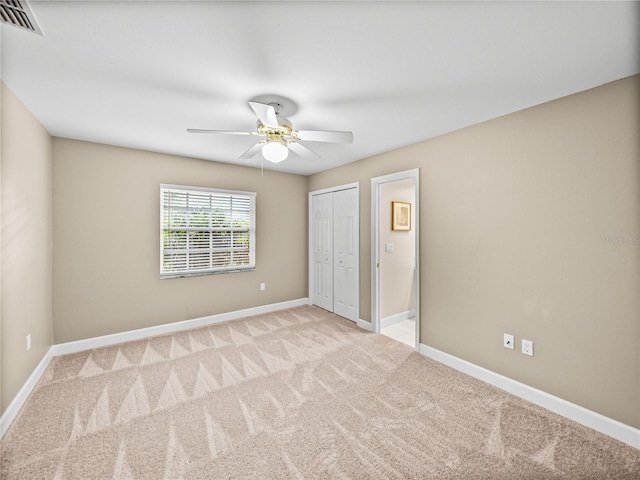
(322, 243)
(345, 254)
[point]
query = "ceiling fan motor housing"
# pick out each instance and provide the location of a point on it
(276, 134)
(280, 137)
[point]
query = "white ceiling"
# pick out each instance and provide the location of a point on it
(138, 74)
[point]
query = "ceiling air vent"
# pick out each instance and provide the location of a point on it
(18, 14)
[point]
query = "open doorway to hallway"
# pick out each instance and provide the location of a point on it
(395, 252)
(403, 331)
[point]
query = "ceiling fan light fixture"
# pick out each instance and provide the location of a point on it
(279, 135)
(275, 152)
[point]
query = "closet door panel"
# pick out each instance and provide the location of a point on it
(323, 251)
(340, 286)
(346, 253)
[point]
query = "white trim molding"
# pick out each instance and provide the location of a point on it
(588, 418)
(376, 183)
(14, 407)
(363, 324)
(397, 318)
(106, 340)
(581, 415)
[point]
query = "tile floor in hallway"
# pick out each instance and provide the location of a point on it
(404, 331)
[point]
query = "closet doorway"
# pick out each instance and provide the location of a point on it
(395, 249)
(334, 250)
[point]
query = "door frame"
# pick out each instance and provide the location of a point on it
(376, 182)
(338, 188)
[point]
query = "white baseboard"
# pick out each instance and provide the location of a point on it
(106, 340)
(588, 418)
(368, 326)
(581, 415)
(397, 318)
(16, 404)
(90, 343)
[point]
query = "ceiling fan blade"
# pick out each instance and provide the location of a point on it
(227, 132)
(303, 151)
(265, 113)
(252, 151)
(325, 136)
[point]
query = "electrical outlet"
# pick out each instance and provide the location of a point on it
(508, 341)
(527, 347)
(263, 287)
(29, 342)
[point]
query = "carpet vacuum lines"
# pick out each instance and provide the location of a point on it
(296, 393)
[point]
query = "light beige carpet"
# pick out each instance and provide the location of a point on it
(299, 393)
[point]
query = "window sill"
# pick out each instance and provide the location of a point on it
(167, 276)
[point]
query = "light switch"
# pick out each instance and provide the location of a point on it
(388, 247)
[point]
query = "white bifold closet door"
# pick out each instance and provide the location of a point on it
(323, 251)
(335, 246)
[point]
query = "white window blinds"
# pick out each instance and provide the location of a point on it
(206, 231)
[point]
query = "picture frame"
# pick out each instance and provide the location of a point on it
(400, 216)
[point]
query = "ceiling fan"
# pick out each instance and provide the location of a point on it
(279, 135)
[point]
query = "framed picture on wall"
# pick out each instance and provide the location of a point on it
(401, 216)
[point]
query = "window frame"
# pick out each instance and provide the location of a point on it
(212, 192)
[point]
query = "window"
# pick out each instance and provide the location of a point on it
(205, 231)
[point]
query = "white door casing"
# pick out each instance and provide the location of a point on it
(375, 246)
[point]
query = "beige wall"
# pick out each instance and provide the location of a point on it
(396, 268)
(529, 225)
(25, 281)
(106, 235)
(523, 221)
